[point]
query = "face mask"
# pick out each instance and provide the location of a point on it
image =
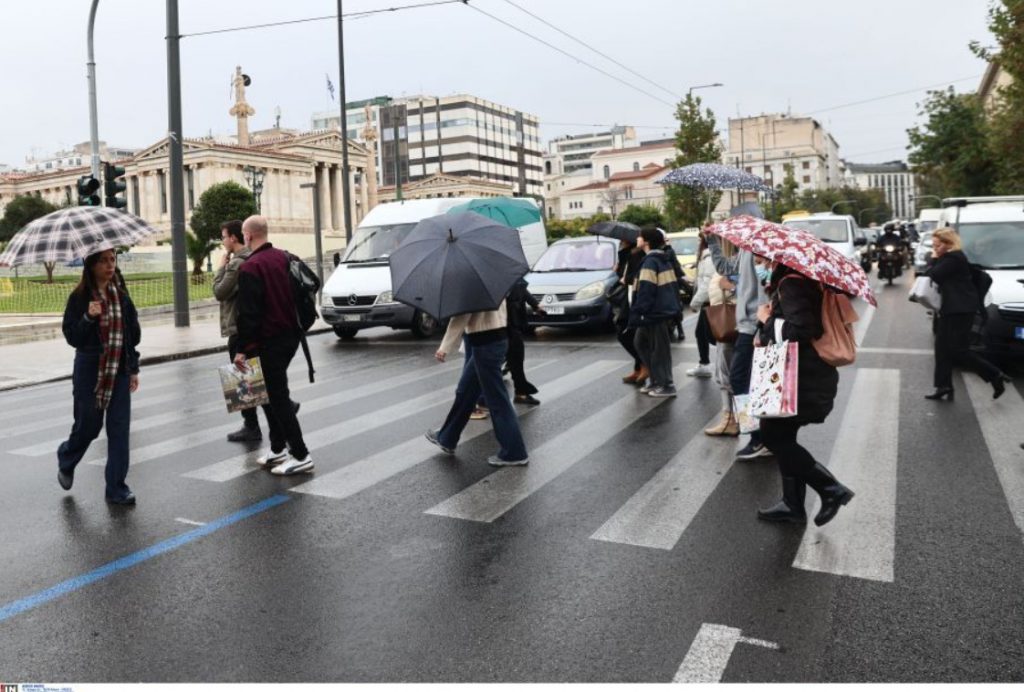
(762, 273)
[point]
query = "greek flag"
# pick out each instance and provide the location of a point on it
(330, 87)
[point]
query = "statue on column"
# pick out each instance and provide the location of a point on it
(241, 110)
(370, 175)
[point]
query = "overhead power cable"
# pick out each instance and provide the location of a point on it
(595, 50)
(571, 56)
(889, 96)
(350, 16)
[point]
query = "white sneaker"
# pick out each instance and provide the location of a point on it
(272, 458)
(646, 389)
(699, 371)
(291, 466)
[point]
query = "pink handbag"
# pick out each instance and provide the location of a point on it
(774, 381)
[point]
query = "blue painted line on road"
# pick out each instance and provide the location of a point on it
(111, 568)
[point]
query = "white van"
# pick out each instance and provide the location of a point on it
(358, 293)
(992, 232)
(840, 232)
(927, 220)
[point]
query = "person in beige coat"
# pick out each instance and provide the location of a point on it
(225, 290)
(720, 291)
(485, 339)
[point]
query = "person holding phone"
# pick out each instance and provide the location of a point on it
(102, 324)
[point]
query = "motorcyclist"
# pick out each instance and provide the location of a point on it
(891, 238)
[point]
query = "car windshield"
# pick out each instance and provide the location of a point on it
(685, 246)
(577, 257)
(376, 242)
(829, 230)
(994, 245)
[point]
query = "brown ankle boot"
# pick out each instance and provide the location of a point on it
(631, 378)
(641, 378)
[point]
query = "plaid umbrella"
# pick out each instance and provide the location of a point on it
(798, 250)
(74, 233)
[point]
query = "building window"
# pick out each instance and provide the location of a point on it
(549, 187)
(607, 172)
(547, 167)
(636, 166)
(807, 179)
(551, 212)
(807, 165)
(749, 169)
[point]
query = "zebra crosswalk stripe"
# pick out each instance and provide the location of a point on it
(502, 490)
(369, 471)
(657, 515)
(861, 540)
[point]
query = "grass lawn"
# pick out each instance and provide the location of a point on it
(34, 295)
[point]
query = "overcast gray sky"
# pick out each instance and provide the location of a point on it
(807, 55)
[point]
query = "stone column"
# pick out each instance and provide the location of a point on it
(322, 180)
(351, 182)
(364, 193)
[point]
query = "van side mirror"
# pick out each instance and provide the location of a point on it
(337, 258)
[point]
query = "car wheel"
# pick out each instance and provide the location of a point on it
(346, 333)
(424, 326)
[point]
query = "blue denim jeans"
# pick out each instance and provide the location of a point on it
(89, 420)
(481, 374)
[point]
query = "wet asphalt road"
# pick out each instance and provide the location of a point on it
(627, 551)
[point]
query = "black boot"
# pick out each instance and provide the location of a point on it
(246, 434)
(833, 493)
(791, 507)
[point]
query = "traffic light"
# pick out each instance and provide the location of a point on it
(87, 189)
(113, 186)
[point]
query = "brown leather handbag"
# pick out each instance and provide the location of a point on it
(722, 320)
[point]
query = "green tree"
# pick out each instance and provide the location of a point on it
(642, 215)
(1006, 121)
(221, 202)
(788, 198)
(571, 228)
(697, 142)
(21, 211)
(198, 250)
(950, 152)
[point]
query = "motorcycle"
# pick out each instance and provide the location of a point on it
(890, 262)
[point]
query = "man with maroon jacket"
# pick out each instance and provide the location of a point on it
(268, 327)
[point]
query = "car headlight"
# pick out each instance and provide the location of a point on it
(327, 301)
(890, 248)
(589, 291)
(383, 298)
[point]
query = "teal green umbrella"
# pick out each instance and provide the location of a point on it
(511, 211)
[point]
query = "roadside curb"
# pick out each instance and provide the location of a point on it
(151, 360)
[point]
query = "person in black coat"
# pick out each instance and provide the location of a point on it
(518, 322)
(628, 269)
(99, 330)
(951, 272)
(796, 309)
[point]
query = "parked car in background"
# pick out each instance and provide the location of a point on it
(571, 280)
(923, 253)
(992, 232)
(685, 243)
(839, 231)
(358, 295)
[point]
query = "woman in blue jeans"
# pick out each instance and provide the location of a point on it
(102, 324)
(485, 338)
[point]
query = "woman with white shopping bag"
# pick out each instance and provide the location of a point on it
(795, 315)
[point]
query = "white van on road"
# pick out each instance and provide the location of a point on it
(358, 293)
(840, 232)
(992, 232)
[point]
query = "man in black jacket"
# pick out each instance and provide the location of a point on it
(518, 322)
(268, 327)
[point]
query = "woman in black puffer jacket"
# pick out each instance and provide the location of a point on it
(951, 272)
(796, 303)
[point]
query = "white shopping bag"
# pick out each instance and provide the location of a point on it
(774, 380)
(926, 293)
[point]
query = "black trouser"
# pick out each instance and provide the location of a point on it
(779, 436)
(704, 337)
(627, 337)
(952, 347)
(515, 360)
(654, 344)
(275, 356)
(248, 414)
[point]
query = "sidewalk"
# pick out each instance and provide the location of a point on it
(49, 360)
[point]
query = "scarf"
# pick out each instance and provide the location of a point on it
(112, 339)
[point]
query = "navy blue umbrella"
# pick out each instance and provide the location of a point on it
(714, 176)
(457, 263)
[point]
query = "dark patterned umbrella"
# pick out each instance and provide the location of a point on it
(74, 233)
(714, 176)
(620, 230)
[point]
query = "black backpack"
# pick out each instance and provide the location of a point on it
(305, 286)
(982, 283)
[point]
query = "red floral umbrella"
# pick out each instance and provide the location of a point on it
(798, 250)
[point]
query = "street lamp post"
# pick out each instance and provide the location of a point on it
(689, 92)
(842, 201)
(179, 259)
(94, 136)
(316, 227)
(254, 176)
(860, 218)
(343, 122)
(916, 198)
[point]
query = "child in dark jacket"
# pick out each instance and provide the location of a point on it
(653, 313)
